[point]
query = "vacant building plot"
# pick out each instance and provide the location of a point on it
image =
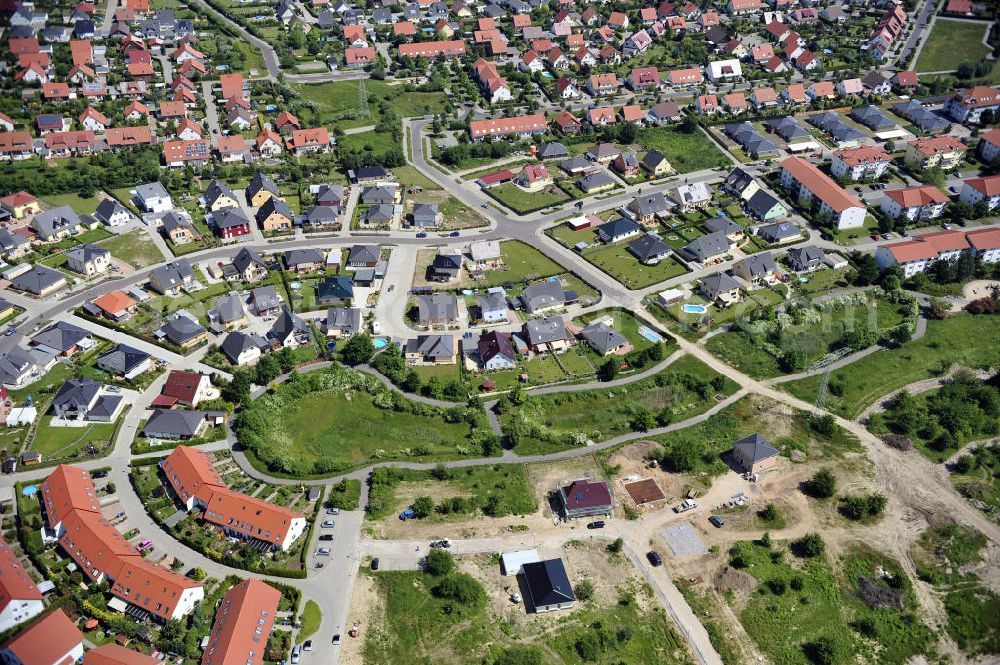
(683, 540)
(644, 491)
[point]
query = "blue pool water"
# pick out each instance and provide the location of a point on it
(650, 334)
(30, 490)
(694, 309)
(380, 342)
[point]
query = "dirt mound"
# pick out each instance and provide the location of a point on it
(735, 580)
(897, 441)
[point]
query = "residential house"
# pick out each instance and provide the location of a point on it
(758, 269)
(548, 334)
(943, 152)
(88, 260)
(814, 188)
(805, 258)
(437, 309)
(343, 322)
(918, 203)
(496, 351)
(125, 361)
(431, 349)
(860, 164)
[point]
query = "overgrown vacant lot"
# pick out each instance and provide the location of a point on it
(135, 248)
(412, 621)
(973, 609)
(760, 354)
(698, 448)
(546, 423)
(799, 610)
(336, 102)
(972, 341)
(685, 152)
(337, 419)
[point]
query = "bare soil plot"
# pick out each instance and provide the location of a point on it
(644, 491)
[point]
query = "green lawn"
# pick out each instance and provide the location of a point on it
(65, 442)
(336, 419)
(371, 141)
(546, 423)
(409, 176)
(685, 152)
(620, 263)
(627, 324)
(521, 263)
(952, 43)
(135, 248)
(523, 202)
(417, 628)
(973, 341)
(311, 618)
(338, 105)
(737, 348)
(81, 205)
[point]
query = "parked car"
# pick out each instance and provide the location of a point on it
(599, 524)
(323, 551)
(685, 505)
(327, 524)
(654, 558)
(422, 234)
(336, 640)
(333, 511)
(307, 645)
(375, 563)
(296, 653)
(326, 536)
(717, 521)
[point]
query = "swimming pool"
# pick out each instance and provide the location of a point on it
(650, 334)
(694, 309)
(380, 342)
(30, 490)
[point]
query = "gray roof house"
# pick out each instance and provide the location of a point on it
(382, 213)
(594, 181)
(344, 321)
(265, 299)
(836, 128)
(15, 367)
(754, 453)
(330, 195)
(542, 295)
(756, 268)
(575, 165)
(50, 224)
(872, 117)
(492, 307)
(724, 225)
(648, 206)
(617, 229)
(182, 331)
(707, 247)
(112, 213)
(432, 348)
(547, 331)
(241, 348)
(335, 289)
(805, 258)
(446, 266)
(765, 207)
(552, 150)
(378, 194)
(603, 339)
(364, 256)
(175, 424)
(751, 140)
(229, 310)
(75, 398)
(288, 328)
(125, 361)
(321, 215)
(925, 119)
(171, 277)
(249, 265)
(437, 308)
(773, 234)
(60, 338)
(716, 285)
(548, 585)
(425, 215)
(40, 280)
(790, 129)
(740, 183)
(304, 259)
(650, 248)
(219, 190)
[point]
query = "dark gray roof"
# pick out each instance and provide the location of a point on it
(761, 203)
(425, 214)
(773, 233)
(364, 254)
(552, 150)
(297, 257)
(923, 118)
(432, 346)
(173, 422)
(38, 279)
(230, 308)
(216, 190)
(172, 220)
(752, 141)
(237, 342)
(759, 264)
(13, 365)
(287, 324)
(806, 256)
(60, 335)
(648, 247)
(382, 212)
(329, 194)
(755, 447)
(338, 287)
(788, 128)
(437, 307)
(245, 257)
(720, 282)
(181, 329)
(706, 246)
(11, 241)
(106, 406)
(491, 302)
(50, 222)
(547, 582)
(595, 180)
(87, 253)
(324, 214)
(650, 204)
(838, 129)
(261, 182)
(723, 224)
(574, 164)
(603, 338)
(273, 205)
(652, 159)
(617, 227)
(109, 207)
(122, 359)
(549, 329)
(872, 117)
(737, 181)
(76, 393)
(265, 297)
(344, 319)
(378, 194)
(170, 276)
(543, 294)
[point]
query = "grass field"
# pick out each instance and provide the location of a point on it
(135, 248)
(337, 102)
(64, 442)
(620, 263)
(685, 152)
(311, 618)
(972, 341)
(545, 423)
(81, 205)
(418, 628)
(952, 43)
(523, 202)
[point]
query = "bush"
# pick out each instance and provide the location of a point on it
(862, 508)
(520, 655)
(423, 506)
(462, 588)
(770, 513)
(439, 562)
(584, 590)
(822, 485)
(810, 545)
(616, 546)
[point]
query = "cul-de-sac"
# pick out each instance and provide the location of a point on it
(499, 332)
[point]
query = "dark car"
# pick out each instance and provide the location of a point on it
(717, 521)
(599, 524)
(326, 536)
(336, 639)
(654, 558)
(375, 563)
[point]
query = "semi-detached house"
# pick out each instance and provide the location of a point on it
(198, 485)
(73, 517)
(243, 624)
(812, 186)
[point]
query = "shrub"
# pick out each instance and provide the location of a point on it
(822, 485)
(584, 590)
(810, 545)
(861, 508)
(462, 588)
(439, 562)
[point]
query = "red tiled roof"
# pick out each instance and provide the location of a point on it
(67, 489)
(242, 625)
(921, 195)
(503, 126)
(992, 137)
(15, 583)
(989, 186)
(129, 136)
(933, 145)
(46, 641)
(820, 184)
(191, 474)
(583, 494)
(432, 49)
(182, 385)
(114, 654)
(114, 302)
(862, 155)
(928, 246)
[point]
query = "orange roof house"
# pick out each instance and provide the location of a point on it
(52, 640)
(242, 625)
